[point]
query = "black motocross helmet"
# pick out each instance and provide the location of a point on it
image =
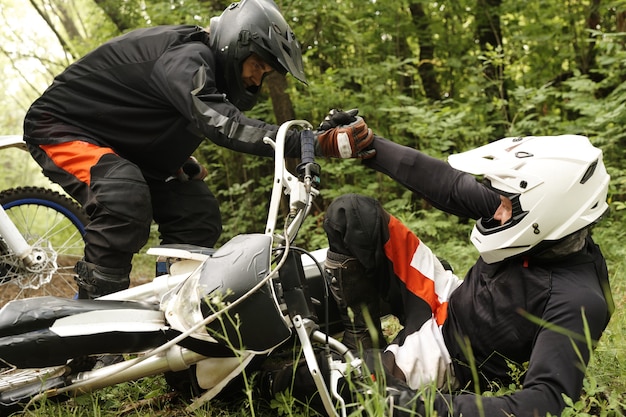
(246, 27)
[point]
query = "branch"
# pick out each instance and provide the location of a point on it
(19, 71)
(44, 16)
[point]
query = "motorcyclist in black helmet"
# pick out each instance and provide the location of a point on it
(118, 127)
(241, 31)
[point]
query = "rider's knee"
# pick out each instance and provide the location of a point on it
(119, 189)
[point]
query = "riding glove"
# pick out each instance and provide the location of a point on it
(344, 135)
(191, 170)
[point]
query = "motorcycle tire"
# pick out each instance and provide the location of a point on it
(50, 222)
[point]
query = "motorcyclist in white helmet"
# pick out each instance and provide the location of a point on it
(539, 284)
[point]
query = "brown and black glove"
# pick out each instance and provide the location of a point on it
(343, 134)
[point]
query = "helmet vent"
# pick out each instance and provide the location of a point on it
(589, 172)
(244, 37)
(523, 154)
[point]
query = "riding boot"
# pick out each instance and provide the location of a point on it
(95, 281)
(358, 301)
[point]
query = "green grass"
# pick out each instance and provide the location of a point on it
(605, 384)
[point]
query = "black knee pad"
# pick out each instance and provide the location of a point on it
(119, 208)
(120, 188)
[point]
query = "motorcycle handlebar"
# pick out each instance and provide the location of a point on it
(307, 147)
(308, 168)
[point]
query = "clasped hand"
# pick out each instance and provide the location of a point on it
(344, 134)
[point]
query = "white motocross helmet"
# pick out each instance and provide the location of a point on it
(557, 184)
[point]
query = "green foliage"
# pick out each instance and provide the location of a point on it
(594, 402)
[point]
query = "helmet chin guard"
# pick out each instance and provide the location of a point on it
(558, 185)
(252, 26)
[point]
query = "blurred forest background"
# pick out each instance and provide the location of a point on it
(438, 76)
(441, 77)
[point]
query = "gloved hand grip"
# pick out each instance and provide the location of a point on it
(191, 170)
(347, 141)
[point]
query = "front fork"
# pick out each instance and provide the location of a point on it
(307, 331)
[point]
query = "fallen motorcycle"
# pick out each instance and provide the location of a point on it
(212, 313)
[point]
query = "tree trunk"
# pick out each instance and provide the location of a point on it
(283, 110)
(587, 56)
(489, 35)
(281, 102)
(426, 68)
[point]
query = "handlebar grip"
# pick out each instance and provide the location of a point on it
(307, 146)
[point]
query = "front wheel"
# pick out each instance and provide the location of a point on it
(53, 225)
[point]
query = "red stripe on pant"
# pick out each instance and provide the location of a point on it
(76, 157)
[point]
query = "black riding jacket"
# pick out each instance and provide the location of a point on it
(523, 310)
(150, 95)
